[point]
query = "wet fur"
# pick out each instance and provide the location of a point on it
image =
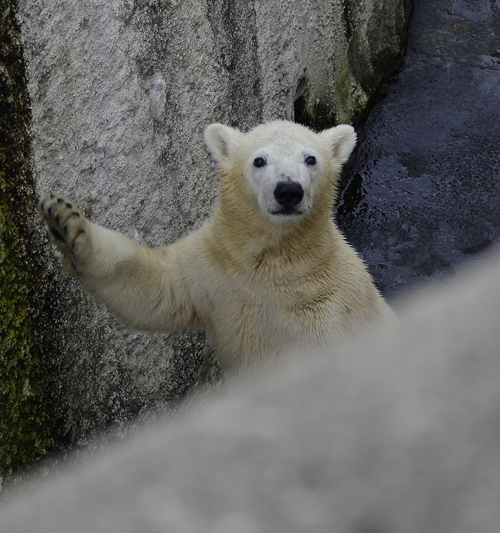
(258, 288)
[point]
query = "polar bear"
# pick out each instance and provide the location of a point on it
(269, 273)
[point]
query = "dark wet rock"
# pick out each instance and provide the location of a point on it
(424, 191)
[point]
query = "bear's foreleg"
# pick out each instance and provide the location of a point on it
(145, 286)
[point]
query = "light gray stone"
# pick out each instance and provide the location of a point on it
(397, 432)
(121, 91)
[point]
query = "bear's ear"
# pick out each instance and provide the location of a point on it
(220, 141)
(341, 140)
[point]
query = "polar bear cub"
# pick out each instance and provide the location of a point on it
(267, 274)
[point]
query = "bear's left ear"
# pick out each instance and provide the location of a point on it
(341, 140)
(220, 141)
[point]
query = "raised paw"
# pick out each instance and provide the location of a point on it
(67, 227)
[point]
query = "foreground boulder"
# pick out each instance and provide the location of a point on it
(397, 432)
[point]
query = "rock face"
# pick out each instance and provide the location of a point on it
(25, 301)
(424, 190)
(120, 94)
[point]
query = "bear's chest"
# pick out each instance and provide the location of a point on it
(254, 321)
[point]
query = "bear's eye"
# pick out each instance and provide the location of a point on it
(310, 160)
(259, 162)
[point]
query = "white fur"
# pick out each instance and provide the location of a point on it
(259, 283)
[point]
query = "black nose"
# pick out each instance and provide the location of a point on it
(288, 193)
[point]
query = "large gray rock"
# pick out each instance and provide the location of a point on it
(120, 92)
(398, 432)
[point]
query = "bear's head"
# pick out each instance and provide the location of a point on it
(280, 170)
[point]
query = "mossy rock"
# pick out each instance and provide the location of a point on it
(24, 428)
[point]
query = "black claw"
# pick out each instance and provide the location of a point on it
(65, 229)
(75, 213)
(69, 206)
(60, 200)
(52, 196)
(57, 219)
(49, 211)
(57, 236)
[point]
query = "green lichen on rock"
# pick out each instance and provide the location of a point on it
(351, 103)
(24, 434)
(347, 104)
(375, 35)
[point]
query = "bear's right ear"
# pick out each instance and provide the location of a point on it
(220, 141)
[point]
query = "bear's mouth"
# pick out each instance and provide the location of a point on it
(286, 212)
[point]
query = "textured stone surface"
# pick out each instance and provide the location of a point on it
(120, 94)
(424, 191)
(398, 432)
(25, 363)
